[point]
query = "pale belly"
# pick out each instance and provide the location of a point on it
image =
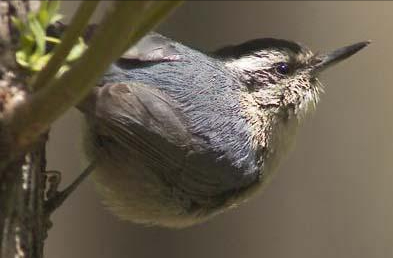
(134, 192)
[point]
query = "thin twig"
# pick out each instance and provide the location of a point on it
(73, 32)
(22, 224)
(127, 22)
(59, 197)
(152, 17)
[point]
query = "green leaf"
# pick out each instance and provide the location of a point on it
(39, 34)
(62, 70)
(43, 5)
(18, 24)
(76, 51)
(53, 9)
(52, 40)
(40, 62)
(55, 18)
(27, 42)
(32, 42)
(48, 12)
(43, 18)
(21, 59)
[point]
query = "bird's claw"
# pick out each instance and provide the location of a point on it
(52, 182)
(55, 198)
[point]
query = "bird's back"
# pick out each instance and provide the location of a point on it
(206, 94)
(174, 117)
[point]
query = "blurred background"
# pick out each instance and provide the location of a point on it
(332, 197)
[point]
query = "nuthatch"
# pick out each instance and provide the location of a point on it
(179, 136)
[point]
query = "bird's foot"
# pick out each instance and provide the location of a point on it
(55, 198)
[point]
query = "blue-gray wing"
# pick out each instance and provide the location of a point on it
(140, 122)
(135, 112)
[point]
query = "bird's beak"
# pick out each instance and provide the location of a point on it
(323, 61)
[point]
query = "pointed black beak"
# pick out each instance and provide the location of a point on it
(323, 61)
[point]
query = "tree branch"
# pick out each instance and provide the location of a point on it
(25, 116)
(73, 32)
(114, 35)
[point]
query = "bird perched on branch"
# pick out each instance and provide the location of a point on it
(179, 135)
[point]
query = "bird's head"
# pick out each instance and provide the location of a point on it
(282, 75)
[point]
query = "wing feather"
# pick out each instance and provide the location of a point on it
(144, 119)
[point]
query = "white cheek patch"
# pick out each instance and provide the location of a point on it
(249, 63)
(263, 60)
(309, 100)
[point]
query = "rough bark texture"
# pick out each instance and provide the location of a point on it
(25, 116)
(22, 225)
(21, 197)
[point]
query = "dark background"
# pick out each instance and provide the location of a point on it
(333, 195)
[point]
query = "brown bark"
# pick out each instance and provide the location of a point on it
(25, 116)
(22, 229)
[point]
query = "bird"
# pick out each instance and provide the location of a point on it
(179, 135)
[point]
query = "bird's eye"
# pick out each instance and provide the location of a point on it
(283, 68)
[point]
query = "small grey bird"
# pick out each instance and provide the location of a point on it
(179, 136)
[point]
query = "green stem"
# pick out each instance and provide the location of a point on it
(151, 18)
(125, 23)
(73, 32)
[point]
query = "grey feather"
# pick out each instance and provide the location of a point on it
(179, 135)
